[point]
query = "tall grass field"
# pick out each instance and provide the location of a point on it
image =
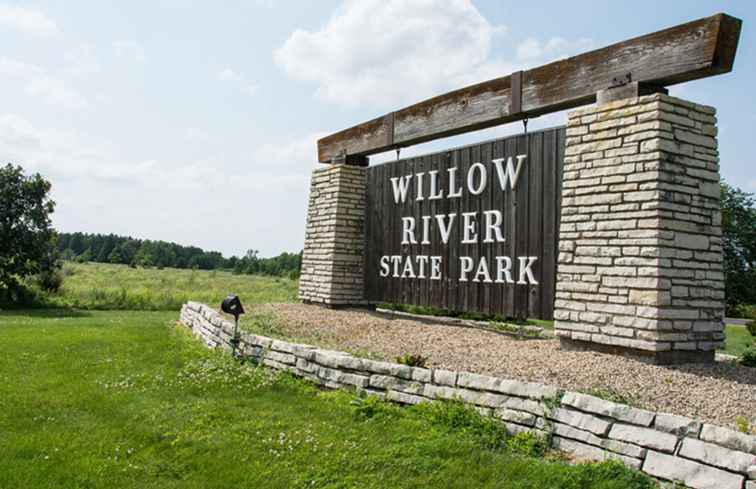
(105, 286)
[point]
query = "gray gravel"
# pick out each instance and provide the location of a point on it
(717, 393)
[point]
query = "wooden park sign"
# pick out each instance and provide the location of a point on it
(470, 229)
(610, 225)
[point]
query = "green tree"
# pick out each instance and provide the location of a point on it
(27, 239)
(739, 244)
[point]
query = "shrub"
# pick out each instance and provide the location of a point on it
(611, 470)
(412, 360)
(528, 444)
(748, 358)
(742, 424)
(50, 280)
(368, 407)
(456, 416)
(751, 326)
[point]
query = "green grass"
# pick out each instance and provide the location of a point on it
(737, 340)
(104, 286)
(121, 399)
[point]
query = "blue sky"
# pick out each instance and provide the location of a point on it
(196, 122)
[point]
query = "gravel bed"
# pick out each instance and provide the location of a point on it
(717, 393)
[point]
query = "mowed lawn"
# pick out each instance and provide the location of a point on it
(108, 399)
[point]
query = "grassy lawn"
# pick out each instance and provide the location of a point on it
(738, 339)
(105, 399)
(104, 286)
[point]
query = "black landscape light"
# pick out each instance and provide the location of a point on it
(232, 305)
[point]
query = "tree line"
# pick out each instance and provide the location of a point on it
(111, 248)
(30, 248)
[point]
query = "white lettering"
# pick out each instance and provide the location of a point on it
(435, 192)
(525, 270)
(469, 233)
(493, 226)
(435, 268)
(453, 190)
(445, 231)
(419, 185)
(426, 230)
(385, 269)
(400, 185)
(408, 272)
(504, 270)
(471, 179)
(511, 175)
(421, 262)
(482, 270)
(408, 230)
(396, 260)
(465, 267)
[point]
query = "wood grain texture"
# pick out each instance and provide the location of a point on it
(697, 49)
(530, 227)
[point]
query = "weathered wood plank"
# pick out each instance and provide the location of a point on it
(529, 226)
(697, 49)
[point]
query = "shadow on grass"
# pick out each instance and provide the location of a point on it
(43, 312)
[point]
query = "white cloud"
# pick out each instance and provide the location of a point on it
(81, 61)
(380, 52)
(56, 92)
(534, 50)
(13, 68)
(250, 89)
(196, 134)
(227, 74)
(232, 76)
(40, 85)
(385, 53)
(130, 49)
(294, 153)
(27, 21)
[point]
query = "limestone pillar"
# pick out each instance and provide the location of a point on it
(640, 263)
(332, 262)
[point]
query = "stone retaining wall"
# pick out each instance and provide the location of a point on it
(666, 446)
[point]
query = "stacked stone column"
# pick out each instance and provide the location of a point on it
(332, 262)
(640, 263)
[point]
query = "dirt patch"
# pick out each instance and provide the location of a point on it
(717, 393)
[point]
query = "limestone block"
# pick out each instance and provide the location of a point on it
(444, 377)
(404, 398)
(387, 368)
(692, 474)
(609, 409)
(580, 420)
(644, 437)
(589, 452)
(677, 425)
(387, 382)
(567, 431)
(717, 456)
(519, 417)
(729, 438)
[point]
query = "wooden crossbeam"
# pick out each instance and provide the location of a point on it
(698, 49)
